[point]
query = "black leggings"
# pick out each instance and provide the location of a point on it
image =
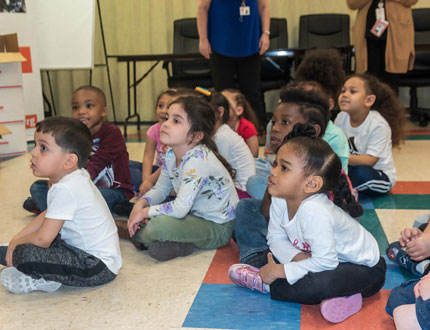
(347, 279)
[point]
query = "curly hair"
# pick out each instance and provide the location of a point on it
(387, 104)
(312, 106)
(323, 66)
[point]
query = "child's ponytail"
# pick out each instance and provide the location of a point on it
(343, 197)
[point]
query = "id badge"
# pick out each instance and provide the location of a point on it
(244, 11)
(379, 27)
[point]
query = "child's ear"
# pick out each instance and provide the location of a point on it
(71, 161)
(331, 104)
(239, 110)
(317, 129)
(197, 137)
(370, 100)
(104, 113)
(221, 111)
(314, 183)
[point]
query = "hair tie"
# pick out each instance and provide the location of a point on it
(203, 91)
(342, 172)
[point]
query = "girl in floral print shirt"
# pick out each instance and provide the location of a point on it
(201, 214)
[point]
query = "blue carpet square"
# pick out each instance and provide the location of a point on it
(227, 306)
(394, 276)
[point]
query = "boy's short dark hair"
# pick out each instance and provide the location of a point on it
(311, 104)
(93, 89)
(71, 135)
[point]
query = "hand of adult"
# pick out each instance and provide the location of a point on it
(264, 43)
(205, 48)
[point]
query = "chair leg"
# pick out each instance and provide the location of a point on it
(413, 104)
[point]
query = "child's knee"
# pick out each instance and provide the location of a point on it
(22, 253)
(152, 232)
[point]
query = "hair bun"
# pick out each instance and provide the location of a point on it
(300, 129)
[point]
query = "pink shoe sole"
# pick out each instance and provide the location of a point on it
(336, 310)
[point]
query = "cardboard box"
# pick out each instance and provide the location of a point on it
(9, 50)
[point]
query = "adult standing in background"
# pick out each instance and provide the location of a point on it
(383, 49)
(233, 35)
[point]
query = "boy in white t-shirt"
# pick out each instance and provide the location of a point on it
(75, 241)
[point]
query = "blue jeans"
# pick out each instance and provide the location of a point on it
(404, 295)
(368, 180)
(250, 229)
(136, 173)
(39, 192)
(256, 186)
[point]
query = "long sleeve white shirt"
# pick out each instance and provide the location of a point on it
(322, 230)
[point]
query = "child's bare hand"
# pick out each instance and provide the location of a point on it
(419, 248)
(136, 219)
(145, 187)
(422, 288)
(272, 271)
(9, 254)
(133, 223)
(300, 256)
(409, 234)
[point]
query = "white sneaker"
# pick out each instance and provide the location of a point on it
(17, 282)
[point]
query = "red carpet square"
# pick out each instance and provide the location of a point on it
(223, 259)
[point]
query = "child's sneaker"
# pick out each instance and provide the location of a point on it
(397, 254)
(31, 206)
(123, 208)
(17, 282)
(248, 277)
(336, 310)
(163, 251)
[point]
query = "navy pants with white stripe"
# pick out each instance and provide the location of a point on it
(368, 180)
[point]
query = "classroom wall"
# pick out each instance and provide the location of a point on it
(146, 27)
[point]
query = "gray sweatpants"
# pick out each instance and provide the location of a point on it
(61, 263)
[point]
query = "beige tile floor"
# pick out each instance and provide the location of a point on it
(146, 294)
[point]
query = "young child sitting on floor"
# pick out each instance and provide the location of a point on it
(321, 70)
(409, 305)
(372, 118)
(108, 164)
(231, 146)
(203, 211)
(74, 241)
(242, 119)
(412, 251)
(144, 175)
(325, 256)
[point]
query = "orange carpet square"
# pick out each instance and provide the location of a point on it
(411, 187)
(223, 259)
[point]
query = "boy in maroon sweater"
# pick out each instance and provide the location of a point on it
(108, 164)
